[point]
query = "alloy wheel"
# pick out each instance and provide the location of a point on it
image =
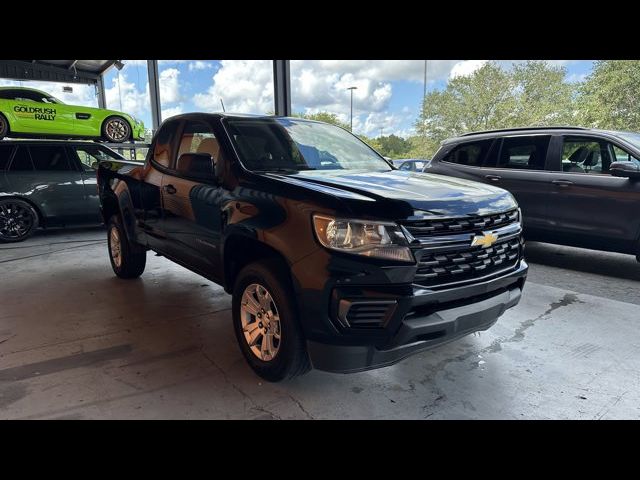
(16, 220)
(260, 322)
(117, 130)
(115, 247)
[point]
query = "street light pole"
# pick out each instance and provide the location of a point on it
(352, 89)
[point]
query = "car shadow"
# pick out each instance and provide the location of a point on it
(583, 260)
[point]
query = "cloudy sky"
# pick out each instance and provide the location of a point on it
(386, 100)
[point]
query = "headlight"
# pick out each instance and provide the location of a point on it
(363, 237)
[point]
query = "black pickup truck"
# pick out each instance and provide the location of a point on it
(335, 259)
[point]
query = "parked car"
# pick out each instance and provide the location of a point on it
(575, 186)
(334, 259)
(48, 184)
(411, 164)
(27, 112)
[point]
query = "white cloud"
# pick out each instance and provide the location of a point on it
(200, 65)
(171, 111)
(170, 85)
(245, 86)
(466, 68)
(82, 94)
(134, 101)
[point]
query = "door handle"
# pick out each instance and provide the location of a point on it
(562, 183)
(493, 178)
(170, 189)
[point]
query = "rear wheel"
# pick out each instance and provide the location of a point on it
(266, 323)
(127, 260)
(4, 126)
(116, 130)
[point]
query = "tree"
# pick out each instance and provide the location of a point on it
(610, 96)
(533, 93)
(326, 117)
(393, 146)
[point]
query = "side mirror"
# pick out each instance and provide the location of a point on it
(629, 170)
(198, 164)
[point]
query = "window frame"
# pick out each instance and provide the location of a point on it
(64, 148)
(456, 146)
(13, 158)
(556, 166)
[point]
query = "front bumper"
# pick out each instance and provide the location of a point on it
(138, 131)
(464, 310)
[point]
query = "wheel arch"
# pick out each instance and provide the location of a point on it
(241, 250)
(116, 115)
(42, 219)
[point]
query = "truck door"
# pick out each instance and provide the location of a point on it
(190, 199)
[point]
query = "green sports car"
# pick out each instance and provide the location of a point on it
(26, 112)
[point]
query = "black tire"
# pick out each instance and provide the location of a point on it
(4, 126)
(291, 359)
(131, 259)
(116, 130)
(18, 220)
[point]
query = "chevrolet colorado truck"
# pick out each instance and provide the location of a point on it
(335, 259)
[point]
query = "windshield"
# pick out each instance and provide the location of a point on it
(291, 145)
(632, 138)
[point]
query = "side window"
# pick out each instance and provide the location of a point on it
(163, 148)
(526, 153)
(620, 155)
(585, 155)
(21, 161)
(471, 154)
(50, 158)
(197, 137)
(5, 155)
(405, 166)
(91, 156)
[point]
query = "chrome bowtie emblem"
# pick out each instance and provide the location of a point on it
(485, 240)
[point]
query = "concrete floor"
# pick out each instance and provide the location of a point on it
(75, 342)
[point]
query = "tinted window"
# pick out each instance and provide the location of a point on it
(21, 160)
(528, 153)
(50, 158)
(90, 156)
(5, 154)
(197, 137)
(471, 154)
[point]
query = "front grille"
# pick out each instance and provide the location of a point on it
(470, 224)
(445, 255)
(461, 265)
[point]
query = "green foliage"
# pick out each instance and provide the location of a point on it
(533, 93)
(326, 117)
(393, 146)
(610, 96)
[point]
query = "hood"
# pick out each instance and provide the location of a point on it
(397, 194)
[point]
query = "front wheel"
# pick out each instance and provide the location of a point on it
(18, 220)
(266, 324)
(116, 130)
(127, 260)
